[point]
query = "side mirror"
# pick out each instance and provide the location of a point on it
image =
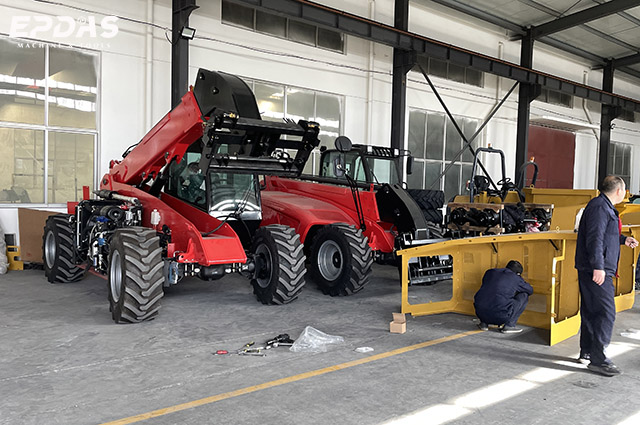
(343, 144)
(409, 164)
(338, 167)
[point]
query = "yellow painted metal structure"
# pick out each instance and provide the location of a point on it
(566, 204)
(13, 255)
(548, 261)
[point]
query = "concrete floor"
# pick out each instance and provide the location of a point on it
(63, 361)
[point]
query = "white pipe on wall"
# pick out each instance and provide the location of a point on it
(148, 69)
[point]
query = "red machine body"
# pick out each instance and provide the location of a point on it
(169, 139)
(307, 205)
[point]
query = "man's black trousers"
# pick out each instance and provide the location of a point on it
(597, 313)
(510, 318)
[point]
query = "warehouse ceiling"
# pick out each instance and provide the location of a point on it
(595, 30)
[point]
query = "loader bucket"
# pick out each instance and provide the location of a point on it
(548, 260)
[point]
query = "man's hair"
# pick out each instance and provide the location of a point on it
(611, 183)
(515, 267)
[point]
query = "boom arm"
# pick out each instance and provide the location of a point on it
(221, 111)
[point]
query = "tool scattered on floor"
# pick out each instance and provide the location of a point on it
(250, 348)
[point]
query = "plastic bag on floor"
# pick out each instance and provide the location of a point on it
(312, 340)
(4, 262)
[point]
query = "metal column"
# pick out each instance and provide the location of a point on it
(403, 61)
(526, 94)
(608, 114)
(181, 9)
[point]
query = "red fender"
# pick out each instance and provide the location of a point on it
(302, 205)
(186, 223)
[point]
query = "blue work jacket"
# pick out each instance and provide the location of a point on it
(599, 238)
(499, 287)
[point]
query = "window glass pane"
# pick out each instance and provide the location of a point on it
(437, 68)
(617, 165)
(435, 136)
(554, 97)
(567, 100)
(466, 176)
(456, 72)
(70, 166)
(237, 14)
(416, 138)
(299, 104)
(72, 88)
(22, 169)
(452, 182)
(474, 77)
(453, 142)
(271, 24)
(422, 61)
(330, 39)
(626, 162)
(415, 179)
(309, 167)
(612, 153)
(328, 112)
(270, 98)
(469, 127)
(301, 32)
(432, 175)
(21, 83)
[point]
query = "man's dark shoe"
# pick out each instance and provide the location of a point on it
(585, 358)
(510, 330)
(483, 326)
(607, 369)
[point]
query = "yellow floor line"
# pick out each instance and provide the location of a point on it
(282, 381)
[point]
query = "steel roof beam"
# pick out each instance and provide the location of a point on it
(584, 16)
(357, 26)
(627, 60)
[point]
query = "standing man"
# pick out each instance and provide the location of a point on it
(502, 298)
(597, 254)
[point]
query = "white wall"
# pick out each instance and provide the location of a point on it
(129, 64)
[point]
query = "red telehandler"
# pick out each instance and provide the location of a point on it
(185, 201)
(357, 211)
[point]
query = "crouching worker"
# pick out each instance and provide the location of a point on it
(502, 298)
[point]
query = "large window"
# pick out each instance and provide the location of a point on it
(620, 161)
(269, 23)
(277, 102)
(451, 71)
(434, 142)
(48, 130)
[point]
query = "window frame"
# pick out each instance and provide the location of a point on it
(315, 153)
(47, 129)
(286, 30)
(443, 162)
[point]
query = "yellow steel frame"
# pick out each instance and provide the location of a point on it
(548, 261)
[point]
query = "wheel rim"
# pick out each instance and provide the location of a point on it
(330, 260)
(50, 249)
(265, 274)
(115, 276)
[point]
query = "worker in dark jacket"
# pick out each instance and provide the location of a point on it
(597, 254)
(502, 298)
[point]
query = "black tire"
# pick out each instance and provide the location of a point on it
(280, 261)
(58, 251)
(430, 202)
(340, 259)
(135, 276)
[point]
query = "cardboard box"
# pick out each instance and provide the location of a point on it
(31, 225)
(399, 324)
